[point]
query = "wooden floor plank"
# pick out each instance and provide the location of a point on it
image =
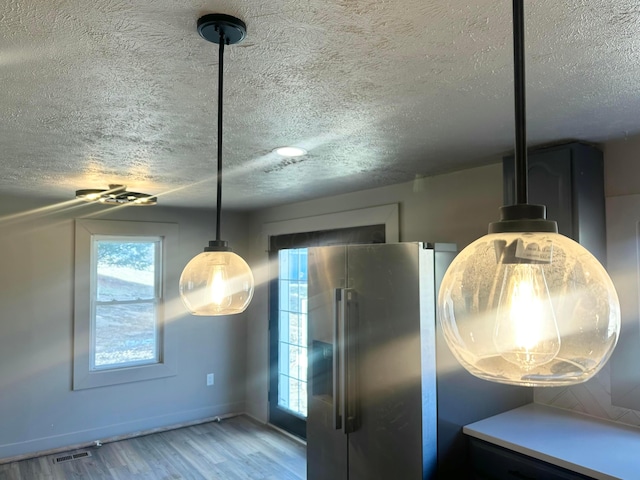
(237, 448)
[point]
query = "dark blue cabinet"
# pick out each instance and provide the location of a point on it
(490, 462)
(569, 180)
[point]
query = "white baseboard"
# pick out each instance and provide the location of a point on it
(86, 438)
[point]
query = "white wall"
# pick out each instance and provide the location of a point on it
(622, 167)
(38, 408)
(456, 208)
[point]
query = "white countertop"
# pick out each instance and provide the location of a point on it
(598, 448)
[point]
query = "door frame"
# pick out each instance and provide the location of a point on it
(368, 234)
(387, 214)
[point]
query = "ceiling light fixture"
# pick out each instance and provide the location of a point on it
(116, 195)
(218, 282)
(524, 305)
(290, 151)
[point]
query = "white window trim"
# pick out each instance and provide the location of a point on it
(83, 376)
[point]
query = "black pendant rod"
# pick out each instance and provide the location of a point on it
(520, 104)
(219, 175)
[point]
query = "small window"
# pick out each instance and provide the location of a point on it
(120, 332)
(126, 294)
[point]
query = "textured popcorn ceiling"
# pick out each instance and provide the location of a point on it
(94, 92)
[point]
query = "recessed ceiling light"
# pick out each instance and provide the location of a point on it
(290, 151)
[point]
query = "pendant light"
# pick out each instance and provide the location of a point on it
(218, 282)
(524, 305)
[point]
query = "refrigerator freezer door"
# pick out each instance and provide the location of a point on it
(392, 335)
(326, 441)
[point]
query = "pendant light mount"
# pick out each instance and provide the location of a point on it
(218, 246)
(211, 27)
(523, 217)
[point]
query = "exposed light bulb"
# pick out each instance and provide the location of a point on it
(219, 288)
(526, 333)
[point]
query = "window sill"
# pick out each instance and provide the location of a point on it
(104, 378)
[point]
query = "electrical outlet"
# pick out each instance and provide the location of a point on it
(210, 379)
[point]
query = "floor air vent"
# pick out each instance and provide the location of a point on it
(71, 458)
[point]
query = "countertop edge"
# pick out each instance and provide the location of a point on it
(566, 439)
(558, 462)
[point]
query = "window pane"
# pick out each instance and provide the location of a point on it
(298, 362)
(302, 410)
(283, 263)
(283, 391)
(283, 288)
(302, 364)
(294, 395)
(125, 334)
(293, 264)
(283, 363)
(303, 325)
(294, 361)
(284, 326)
(294, 297)
(297, 396)
(302, 273)
(125, 270)
(294, 329)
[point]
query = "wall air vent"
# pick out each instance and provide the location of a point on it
(72, 457)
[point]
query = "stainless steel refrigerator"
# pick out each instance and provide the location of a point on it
(372, 364)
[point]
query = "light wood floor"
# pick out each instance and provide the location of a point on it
(236, 448)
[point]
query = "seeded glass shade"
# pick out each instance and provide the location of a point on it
(216, 283)
(533, 309)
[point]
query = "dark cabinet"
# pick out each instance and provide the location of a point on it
(569, 180)
(490, 462)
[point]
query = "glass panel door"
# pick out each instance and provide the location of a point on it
(292, 331)
(288, 319)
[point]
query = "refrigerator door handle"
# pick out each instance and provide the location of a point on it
(349, 375)
(343, 354)
(338, 313)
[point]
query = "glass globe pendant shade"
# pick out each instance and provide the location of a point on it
(216, 283)
(533, 309)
